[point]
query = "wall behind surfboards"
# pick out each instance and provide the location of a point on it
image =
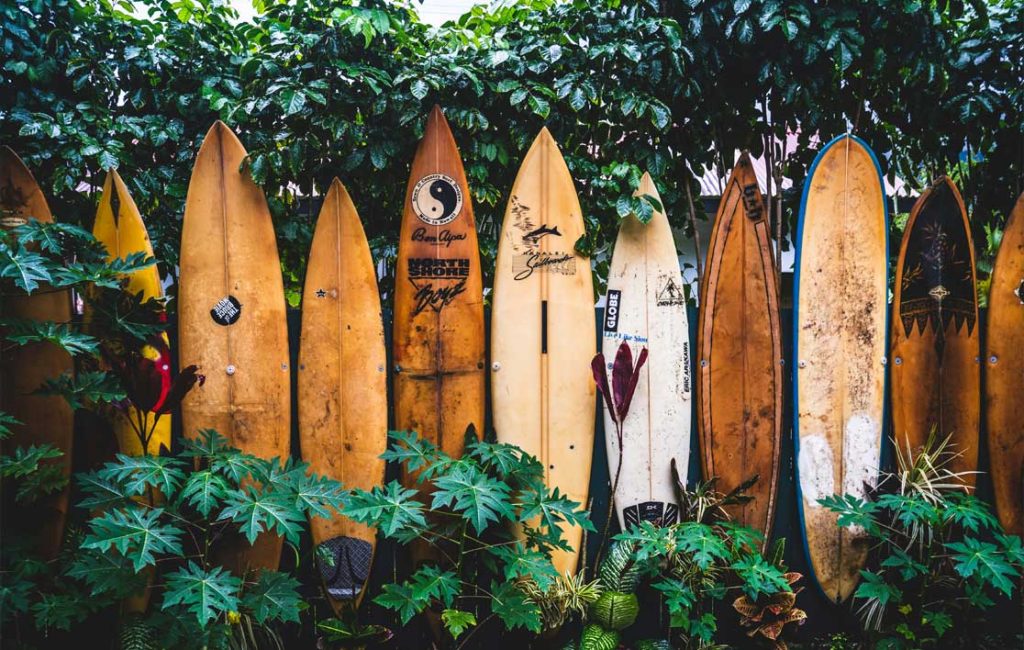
(823, 617)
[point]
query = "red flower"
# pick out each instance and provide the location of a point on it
(624, 379)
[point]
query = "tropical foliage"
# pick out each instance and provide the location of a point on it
(318, 89)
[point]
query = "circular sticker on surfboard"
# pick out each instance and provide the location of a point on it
(227, 311)
(437, 199)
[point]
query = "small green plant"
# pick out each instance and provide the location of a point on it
(940, 557)
(467, 511)
(695, 564)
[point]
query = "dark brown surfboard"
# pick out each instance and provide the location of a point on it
(439, 317)
(739, 384)
(44, 420)
(936, 370)
(1004, 374)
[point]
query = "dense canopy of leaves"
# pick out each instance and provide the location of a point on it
(318, 89)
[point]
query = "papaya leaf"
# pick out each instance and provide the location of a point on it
(274, 597)
(136, 533)
(513, 607)
(205, 594)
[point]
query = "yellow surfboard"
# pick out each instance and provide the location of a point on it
(231, 319)
(120, 228)
(343, 397)
(543, 334)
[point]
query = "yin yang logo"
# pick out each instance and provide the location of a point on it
(437, 199)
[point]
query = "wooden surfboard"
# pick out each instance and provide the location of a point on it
(740, 352)
(44, 420)
(646, 308)
(936, 371)
(438, 335)
(231, 318)
(1005, 374)
(542, 333)
(119, 227)
(343, 397)
(839, 341)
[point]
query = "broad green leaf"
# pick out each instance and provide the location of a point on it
(518, 561)
(457, 621)
(26, 268)
(478, 497)
(136, 533)
(389, 508)
(137, 473)
(25, 331)
(513, 607)
(257, 511)
(274, 597)
(205, 594)
(204, 491)
(84, 389)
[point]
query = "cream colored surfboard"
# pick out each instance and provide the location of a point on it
(231, 319)
(542, 330)
(839, 334)
(119, 227)
(646, 308)
(343, 397)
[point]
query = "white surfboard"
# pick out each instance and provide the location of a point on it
(646, 307)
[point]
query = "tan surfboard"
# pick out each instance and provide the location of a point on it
(119, 227)
(1004, 374)
(936, 351)
(343, 397)
(231, 318)
(646, 308)
(23, 369)
(438, 339)
(739, 361)
(840, 345)
(542, 330)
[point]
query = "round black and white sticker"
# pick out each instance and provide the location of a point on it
(226, 311)
(437, 199)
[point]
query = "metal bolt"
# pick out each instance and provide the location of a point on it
(703, 363)
(993, 359)
(230, 370)
(398, 368)
(284, 366)
(782, 362)
(496, 366)
(380, 368)
(802, 364)
(898, 361)
(885, 361)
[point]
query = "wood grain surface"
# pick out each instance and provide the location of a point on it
(343, 398)
(542, 330)
(1004, 374)
(936, 369)
(231, 319)
(840, 348)
(739, 361)
(23, 369)
(646, 308)
(438, 338)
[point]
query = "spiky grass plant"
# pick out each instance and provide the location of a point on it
(570, 595)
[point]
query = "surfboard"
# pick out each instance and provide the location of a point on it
(1004, 355)
(646, 308)
(342, 385)
(739, 361)
(936, 369)
(23, 369)
(840, 345)
(231, 319)
(438, 338)
(542, 330)
(119, 227)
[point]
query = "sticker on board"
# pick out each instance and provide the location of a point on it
(437, 199)
(227, 311)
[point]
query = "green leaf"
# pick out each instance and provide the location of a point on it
(513, 607)
(595, 637)
(107, 574)
(553, 509)
(478, 497)
(25, 267)
(134, 532)
(521, 562)
(84, 390)
(205, 594)
(59, 611)
(873, 587)
(257, 511)
(411, 450)
(137, 473)
(274, 597)
(615, 610)
(6, 422)
(973, 557)
(26, 331)
(419, 89)
(204, 491)
(457, 621)
(760, 578)
(414, 595)
(391, 508)
(26, 460)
